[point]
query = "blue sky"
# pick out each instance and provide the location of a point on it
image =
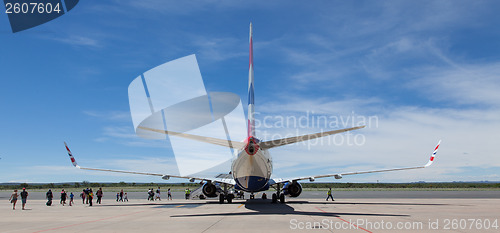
(426, 70)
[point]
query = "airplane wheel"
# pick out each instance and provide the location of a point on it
(229, 199)
(252, 196)
(221, 198)
(282, 198)
(274, 198)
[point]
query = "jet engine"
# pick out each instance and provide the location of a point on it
(210, 189)
(292, 189)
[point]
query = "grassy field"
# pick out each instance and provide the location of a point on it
(133, 187)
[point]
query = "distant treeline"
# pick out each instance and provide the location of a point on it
(86, 184)
(420, 185)
(444, 185)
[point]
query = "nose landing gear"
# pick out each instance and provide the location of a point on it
(278, 195)
(226, 196)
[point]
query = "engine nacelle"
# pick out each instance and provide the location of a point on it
(210, 190)
(292, 189)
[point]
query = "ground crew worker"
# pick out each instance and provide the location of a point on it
(188, 192)
(329, 193)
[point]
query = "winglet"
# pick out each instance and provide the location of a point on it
(431, 159)
(73, 161)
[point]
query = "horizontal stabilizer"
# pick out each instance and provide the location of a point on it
(291, 140)
(215, 141)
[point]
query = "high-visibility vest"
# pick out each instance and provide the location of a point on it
(329, 192)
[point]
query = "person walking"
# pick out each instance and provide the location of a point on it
(63, 197)
(121, 195)
(117, 196)
(125, 197)
(188, 193)
(158, 194)
(99, 195)
(87, 194)
(151, 195)
(71, 196)
(91, 196)
(13, 199)
(169, 195)
(24, 197)
(83, 196)
(329, 193)
(49, 197)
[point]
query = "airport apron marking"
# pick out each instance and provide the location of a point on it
(346, 221)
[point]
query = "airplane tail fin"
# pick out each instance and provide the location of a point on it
(251, 115)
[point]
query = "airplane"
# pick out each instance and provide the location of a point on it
(252, 167)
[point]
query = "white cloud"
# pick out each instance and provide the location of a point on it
(110, 115)
(469, 84)
(78, 40)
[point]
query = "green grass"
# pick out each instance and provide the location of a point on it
(133, 187)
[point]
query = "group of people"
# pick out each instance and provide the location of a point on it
(87, 196)
(153, 197)
(13, 198)
(121, 196)
(64, 196)
(151, 194)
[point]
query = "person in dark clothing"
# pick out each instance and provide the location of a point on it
(24, 197)
(71, 201)
(121, 195)
(64, 195)
(49, 197)
(151, 195)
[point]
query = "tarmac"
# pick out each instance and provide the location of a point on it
(444, 213)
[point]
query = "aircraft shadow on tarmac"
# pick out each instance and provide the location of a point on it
(364, 203)
(261, 205)
(264, 207)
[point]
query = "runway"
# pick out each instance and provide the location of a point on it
(299, 214)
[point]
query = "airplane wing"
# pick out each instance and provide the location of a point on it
(290, 140)
(224, 180)
(215, 141)
(340, 175)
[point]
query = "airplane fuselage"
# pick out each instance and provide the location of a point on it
(252, 167)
